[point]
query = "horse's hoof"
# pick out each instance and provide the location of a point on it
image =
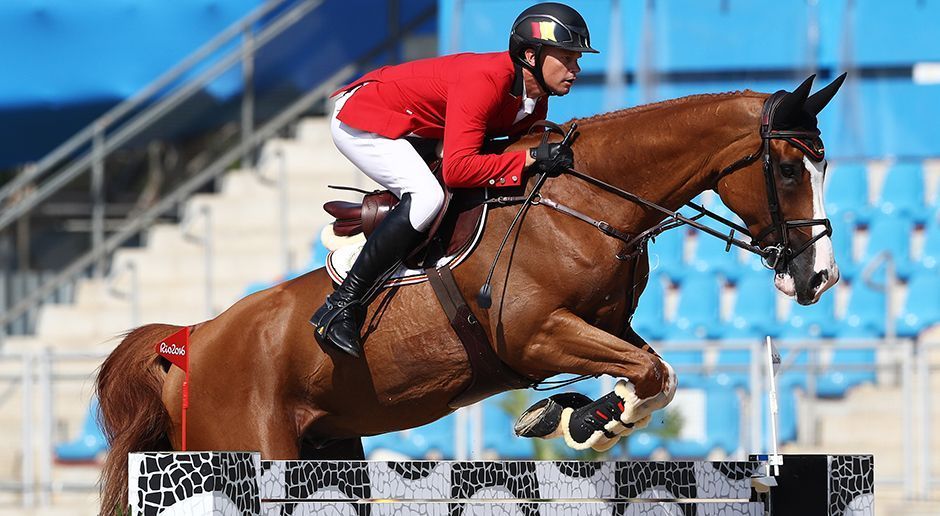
(544, 417)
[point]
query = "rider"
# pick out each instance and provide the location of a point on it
(463, 99)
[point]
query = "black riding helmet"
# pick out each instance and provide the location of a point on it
(547, 24)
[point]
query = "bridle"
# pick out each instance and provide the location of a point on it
(774, 256)
(778, 255)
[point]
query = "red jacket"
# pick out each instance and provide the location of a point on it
(478, 95)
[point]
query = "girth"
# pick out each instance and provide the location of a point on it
(488, 373)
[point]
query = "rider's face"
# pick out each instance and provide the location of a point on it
(560, 68)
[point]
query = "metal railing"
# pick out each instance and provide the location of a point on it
(40, 373)
(17, 285)
(86, 151)
(255, 36)
(94, 134)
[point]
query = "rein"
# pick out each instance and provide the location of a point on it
(633, 243)
(773, 257)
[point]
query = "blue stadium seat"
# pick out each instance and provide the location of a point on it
(787, 382)
(813, 321)
(682, 25)
(895, 33)
(722, 419)
(903, 192)
(865, 314)
(755, 309)
(864, 319)
(88, 444)
(898, 117)
(710, 257)
(922, 307)
(698, 315)
(667, 254)
(834, 382)
(843, 237)
(892, 235)
(649, 319)
(930, 255)
(733, 367)
(795, 375)
(847, 193)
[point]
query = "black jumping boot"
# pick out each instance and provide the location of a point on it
(339, 321)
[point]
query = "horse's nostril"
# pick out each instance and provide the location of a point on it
(819, 279)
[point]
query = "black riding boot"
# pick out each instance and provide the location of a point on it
(339, 321)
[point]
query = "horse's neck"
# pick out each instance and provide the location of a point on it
(666, 156)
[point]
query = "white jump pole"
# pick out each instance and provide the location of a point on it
(774, 460)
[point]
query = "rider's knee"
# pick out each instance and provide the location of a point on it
(435, 197)
(426, 203)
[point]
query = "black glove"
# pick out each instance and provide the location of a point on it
(552, 158)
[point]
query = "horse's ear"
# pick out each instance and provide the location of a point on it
(815, 103)
(790, 110)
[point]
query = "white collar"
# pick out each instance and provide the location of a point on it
(528, 105)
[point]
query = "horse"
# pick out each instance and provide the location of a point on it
(562, 299)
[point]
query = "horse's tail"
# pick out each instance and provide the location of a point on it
(129, 387)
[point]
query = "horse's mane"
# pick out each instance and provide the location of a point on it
(613, 115)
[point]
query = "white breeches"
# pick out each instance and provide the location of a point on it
(394, 164)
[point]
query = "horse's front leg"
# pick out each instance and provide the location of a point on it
(568, 344)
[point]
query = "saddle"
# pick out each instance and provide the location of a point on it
(451, 231)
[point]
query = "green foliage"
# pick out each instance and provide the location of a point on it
(671, 425)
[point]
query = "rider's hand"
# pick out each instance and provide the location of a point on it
(551, 158)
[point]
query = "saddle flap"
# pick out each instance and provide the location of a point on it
(354, 218)
(344, 210)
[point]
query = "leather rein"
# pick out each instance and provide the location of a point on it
(774, 256)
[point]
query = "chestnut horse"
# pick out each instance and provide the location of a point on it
(562, 301)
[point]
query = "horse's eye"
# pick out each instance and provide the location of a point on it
(789, 170)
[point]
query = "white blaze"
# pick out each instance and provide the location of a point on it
(824, 258)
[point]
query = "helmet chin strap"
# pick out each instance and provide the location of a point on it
(537, 72)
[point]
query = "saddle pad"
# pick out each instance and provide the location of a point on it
(339, 262)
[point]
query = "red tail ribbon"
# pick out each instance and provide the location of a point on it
(175, 348)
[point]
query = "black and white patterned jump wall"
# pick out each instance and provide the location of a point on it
(237, 483)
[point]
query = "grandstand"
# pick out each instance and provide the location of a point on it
(859, 366)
